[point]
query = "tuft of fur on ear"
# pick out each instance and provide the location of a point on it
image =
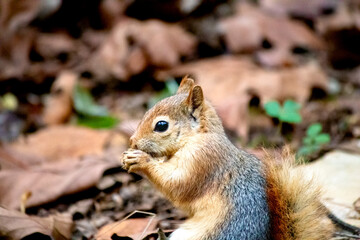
(186, 85)
(195, 98)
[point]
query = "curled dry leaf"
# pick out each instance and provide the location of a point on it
(250, 26)
(133, 45)
(16, 37)
(51, 163)
(241, 80)
(133, 228)
(16, 225)
(58, 107)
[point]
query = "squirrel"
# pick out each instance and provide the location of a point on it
(180, 145)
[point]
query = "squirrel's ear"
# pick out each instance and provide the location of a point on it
(195, 98)
(186, 85)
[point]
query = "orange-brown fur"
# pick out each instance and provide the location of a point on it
(294, 203)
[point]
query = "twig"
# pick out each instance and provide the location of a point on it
(153, 215)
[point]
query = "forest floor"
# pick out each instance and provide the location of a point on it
(77, 77)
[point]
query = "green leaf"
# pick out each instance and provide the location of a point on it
(290, 112)
(314, 129)
(290, 105)
(84, 103)
(308, 140)
(273, 109)
(290, 116)
(97, 122)
(322, 139)
(171, 86)
(307, 150)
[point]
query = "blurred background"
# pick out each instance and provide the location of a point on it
(76, 77)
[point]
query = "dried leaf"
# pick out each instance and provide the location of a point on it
(241, 79)
(51, 163)
(60, 142)
(15, 41)
(14, 54)
(133, 228)
(247, 30)
(133, 45)
(16, 225)
(48, 182)
(338, 174)
(58, 107)
(18, 13)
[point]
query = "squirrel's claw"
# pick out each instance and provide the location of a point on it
(133, 159)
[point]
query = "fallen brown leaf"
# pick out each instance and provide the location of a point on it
(241, 80)
(54, 143)
(16, 37)
(54, 162)
(48, 182)
(14, 54)
(338, 174)
(58, 107)
(17, 13)
(250, 26)
(16, 225)
(133, 228)
(133, 45)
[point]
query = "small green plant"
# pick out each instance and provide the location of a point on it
(170, 89)
(314, 140)
(89, 113)
(288, 113)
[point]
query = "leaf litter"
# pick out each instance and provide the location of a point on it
(274, 50)
(250, 80)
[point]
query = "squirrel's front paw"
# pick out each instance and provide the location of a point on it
(135, 160)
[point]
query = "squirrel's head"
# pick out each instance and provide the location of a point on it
(172, 122)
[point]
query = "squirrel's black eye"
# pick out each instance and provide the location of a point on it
(161, 126)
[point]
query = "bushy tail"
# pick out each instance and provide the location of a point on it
(294, 202)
